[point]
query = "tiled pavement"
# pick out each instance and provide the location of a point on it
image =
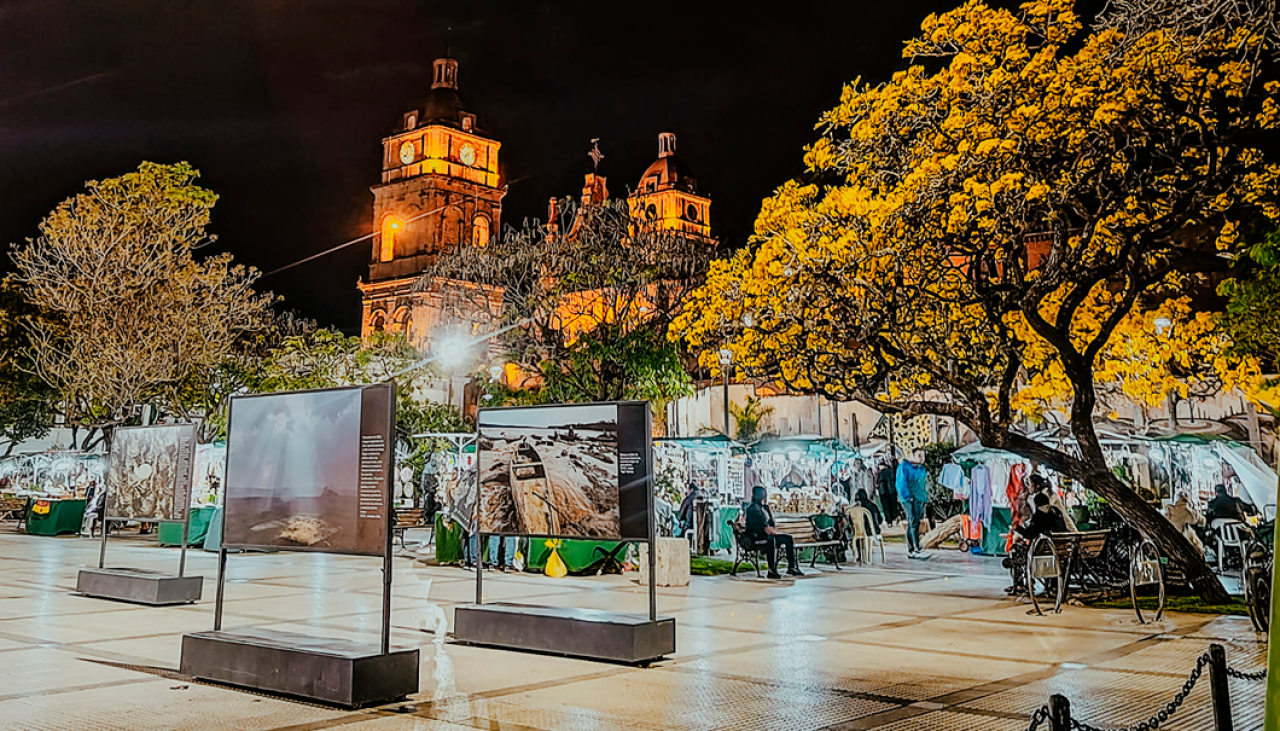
(903, 647)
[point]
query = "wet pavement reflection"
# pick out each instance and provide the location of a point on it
(902, 645)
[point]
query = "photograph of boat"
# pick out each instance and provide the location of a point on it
(550, 471)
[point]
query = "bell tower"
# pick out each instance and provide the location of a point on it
(439, 191)
(668, 193)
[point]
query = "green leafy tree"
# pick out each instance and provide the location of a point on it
(1252, 314)
(748, 417)
(328, 359)
(27, 403)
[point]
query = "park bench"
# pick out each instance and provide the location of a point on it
(802, 530)
(407, 518)
(1098, 562)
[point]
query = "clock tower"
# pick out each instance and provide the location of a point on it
(439, 191)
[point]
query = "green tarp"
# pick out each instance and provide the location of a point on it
(995, 535)
(64, 516)
(170, 534)
(578, 556)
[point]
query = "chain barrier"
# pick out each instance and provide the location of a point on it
(1151, 724)
(1040, 716)
(1164, 714)
(1242, 675)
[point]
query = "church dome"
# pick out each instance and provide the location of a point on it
(443, 104)
(669, 171)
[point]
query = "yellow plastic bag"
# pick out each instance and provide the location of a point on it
(555, 565)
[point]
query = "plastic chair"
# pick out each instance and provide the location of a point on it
(864, 534)
(1228, 534)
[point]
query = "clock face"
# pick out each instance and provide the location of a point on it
(406, 153)
(467, 155)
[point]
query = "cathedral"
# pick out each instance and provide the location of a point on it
(442, 189)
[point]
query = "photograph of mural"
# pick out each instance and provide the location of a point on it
(149, 472)
(293, 474)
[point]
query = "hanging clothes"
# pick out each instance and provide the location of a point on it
(980, 495)
(952, 478)
(999, 474)
(1020, 514)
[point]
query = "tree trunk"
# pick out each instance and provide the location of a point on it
(1138, 512)
(1091, 469)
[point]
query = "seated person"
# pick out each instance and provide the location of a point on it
(760, 529)
(687, 506)
(1186, 520)
(863, 501)
(1228, 507)
(1045, 520)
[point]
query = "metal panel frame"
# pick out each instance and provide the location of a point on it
(652, 540)
(387, 544)
(186, 508)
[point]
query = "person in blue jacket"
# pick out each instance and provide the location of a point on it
(913, 493)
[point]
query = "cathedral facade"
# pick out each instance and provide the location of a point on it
(442, 189)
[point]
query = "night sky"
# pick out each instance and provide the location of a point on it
(282, 105)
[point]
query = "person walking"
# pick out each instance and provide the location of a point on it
(913, 493)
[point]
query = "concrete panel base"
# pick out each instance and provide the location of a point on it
(338, 672)
(586, 633)
(139, 587)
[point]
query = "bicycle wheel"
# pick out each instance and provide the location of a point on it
(1257, 589)
(1044, 574)
(1146, 569)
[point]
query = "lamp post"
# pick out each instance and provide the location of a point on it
(726, 360)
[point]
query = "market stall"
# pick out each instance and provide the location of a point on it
(450, 470)
(807, 475)
(717, 465)
(55, 486)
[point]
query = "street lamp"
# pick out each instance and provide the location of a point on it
(726, 360)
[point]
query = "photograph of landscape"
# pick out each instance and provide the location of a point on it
(292, 472)
(550, 471)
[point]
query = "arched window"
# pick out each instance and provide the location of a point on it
(378, 323)
(387, 246)
(480, 231)
(691, 212)
(452, 232)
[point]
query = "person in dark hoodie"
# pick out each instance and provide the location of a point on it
(1045, 520)
(760, 529)
(863, 501)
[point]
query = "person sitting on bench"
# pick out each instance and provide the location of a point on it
(1047, 519)
(761, 529)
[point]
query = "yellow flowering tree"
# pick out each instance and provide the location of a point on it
(997, 228)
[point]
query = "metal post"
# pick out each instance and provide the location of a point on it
(222, 572)
(479, 554)
(182, 556)
(1218, 687)
(102, 551)
(726, 403)
(653, 522)
(387, 548)
(1059, 713)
